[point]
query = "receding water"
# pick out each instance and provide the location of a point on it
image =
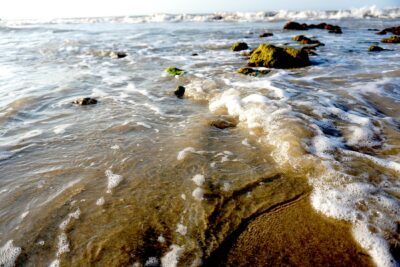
(143, 179)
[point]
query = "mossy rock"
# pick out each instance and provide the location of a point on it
(253, 72)
(239, 46)
(270, 56)
(375, 48)
(174, 71)
(391, 40)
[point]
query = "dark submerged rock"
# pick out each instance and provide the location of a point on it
(195, 55)
(270, 56)
(239, 46)
(375, 48)
(179, 91)
(174, 71)
(292, 25)
(305, 40)
(253, 72)
(391, 40)
(85, 101)
(217, 17)
(266, 34)
(224, 122)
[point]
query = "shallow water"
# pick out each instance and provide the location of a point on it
(112, 183)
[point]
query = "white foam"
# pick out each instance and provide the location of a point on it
(63, 244)
(100, 201)
(183, 153)
(9, 254)
(113, 180)
(198, 193)
(181, 229)
(172, 257)
(55, 263)
(60, 129)
(199, 179)
(152, 262)
(161, 239)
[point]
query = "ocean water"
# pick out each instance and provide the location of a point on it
(143, 179)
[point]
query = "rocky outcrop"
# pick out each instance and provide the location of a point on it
(239, 46)
(292, 25)
(253, 72)
(174, 71)
(393, 30)
(391, 40)
(270, 56)
(179, 91)
(85, 101)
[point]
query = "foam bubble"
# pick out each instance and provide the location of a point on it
(181, 229)
(198, 193)
(171, 258)
(113, 180)
(100, 201)
(60, 129)
(199, 179)
(9, 254)
(183, 153)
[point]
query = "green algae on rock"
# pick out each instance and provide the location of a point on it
(253, 72)
(174, 71)
(375, 48)
(391, 40)
(239, 46)
(270, 56)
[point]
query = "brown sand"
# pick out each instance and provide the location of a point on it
(294, 235)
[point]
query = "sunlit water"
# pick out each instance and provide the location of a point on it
(142, 178)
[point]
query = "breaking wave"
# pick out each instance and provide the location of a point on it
(371, 12)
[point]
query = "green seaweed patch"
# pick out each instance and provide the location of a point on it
(270, 56)
(239, 46)
(174, 71)
(253, 72)
(391, 40)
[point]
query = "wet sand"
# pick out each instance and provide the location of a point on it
(293, 235)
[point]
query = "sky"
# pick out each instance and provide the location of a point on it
(45, 9)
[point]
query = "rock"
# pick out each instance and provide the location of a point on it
(224, 122)
(270, 56)
(305, 40)
(195, 55)
(333, 28)
(375, 48)
(179, 91)
(253, 72)
(174, 71)
(301, 27)
(266, 34)
(118, 54)
(217, 17)
(239, 46)
(291, 25)
(381, 32)
(391, 40)
(85, 101)
(393, 30)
